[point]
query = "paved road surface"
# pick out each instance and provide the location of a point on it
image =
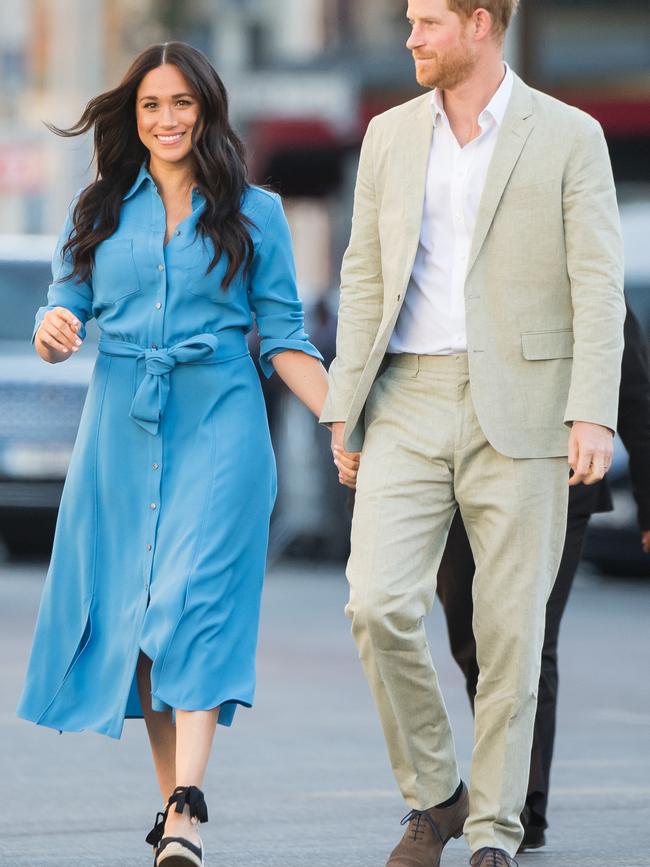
(302, 780)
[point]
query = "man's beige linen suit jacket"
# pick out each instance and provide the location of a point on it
(544, 286)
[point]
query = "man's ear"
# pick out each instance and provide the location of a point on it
(482, 24)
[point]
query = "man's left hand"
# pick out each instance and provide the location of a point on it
(590, 452)
(645, 541)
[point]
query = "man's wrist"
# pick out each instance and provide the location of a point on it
(594, 424)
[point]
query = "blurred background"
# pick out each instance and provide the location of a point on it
(304, 78)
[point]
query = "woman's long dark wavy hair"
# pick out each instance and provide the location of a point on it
(218, 154)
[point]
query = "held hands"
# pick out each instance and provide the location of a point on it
(58, 335)
(347, 463)
(590, 456)
(590, 452)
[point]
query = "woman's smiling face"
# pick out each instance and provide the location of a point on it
(166, 112)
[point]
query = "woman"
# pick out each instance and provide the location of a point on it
(151, 603)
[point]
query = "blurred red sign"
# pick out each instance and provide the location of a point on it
(22, 167)
(618, 116)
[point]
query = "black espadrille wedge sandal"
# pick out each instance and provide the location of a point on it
(177, 851)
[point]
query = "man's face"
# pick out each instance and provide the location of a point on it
(440, 44)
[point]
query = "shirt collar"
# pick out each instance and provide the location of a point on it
(496, 107)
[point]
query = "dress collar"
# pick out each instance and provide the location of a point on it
(144, 175)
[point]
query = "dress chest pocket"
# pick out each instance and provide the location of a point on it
(192, 266)
(114, 274)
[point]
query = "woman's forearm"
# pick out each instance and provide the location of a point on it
(305, 376)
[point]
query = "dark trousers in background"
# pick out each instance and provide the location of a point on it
(455, 591)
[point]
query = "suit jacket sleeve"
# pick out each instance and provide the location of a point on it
(594, 255)
(361, 302)
(634, 414)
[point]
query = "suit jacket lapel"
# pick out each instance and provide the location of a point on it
(516, 127)
(415, 148)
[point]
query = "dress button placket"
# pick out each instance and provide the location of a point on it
(155, 500)
(157, 339)
(155, 504)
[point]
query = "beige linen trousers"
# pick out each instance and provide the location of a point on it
(485, 431)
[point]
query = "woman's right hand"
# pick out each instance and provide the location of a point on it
(347, 463)
(58, 335)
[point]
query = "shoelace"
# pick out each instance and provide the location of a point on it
(496, 859)
(416, 817)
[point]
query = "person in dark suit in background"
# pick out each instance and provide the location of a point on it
(457, 570)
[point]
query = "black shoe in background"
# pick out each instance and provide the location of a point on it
(534, 831)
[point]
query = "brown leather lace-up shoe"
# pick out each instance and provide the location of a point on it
(427, 833)
(487, 857)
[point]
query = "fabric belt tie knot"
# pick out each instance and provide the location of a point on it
(150, 398)
(158, 362)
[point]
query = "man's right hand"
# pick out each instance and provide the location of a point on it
(347, 463)
(58, 335)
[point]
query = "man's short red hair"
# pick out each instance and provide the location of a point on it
(500, 10)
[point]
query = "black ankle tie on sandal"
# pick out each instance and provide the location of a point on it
(154, 836)
(192, 797)
(182, 796)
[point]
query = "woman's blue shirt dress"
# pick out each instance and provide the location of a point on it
(162, 533)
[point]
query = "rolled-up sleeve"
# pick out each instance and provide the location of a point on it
(73, 294)
(273, 294)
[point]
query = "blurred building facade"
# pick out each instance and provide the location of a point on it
(596, 54)
(304, 77)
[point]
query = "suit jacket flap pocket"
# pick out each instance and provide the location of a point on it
(540, 345)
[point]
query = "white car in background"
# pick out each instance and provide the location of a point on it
(40, 404)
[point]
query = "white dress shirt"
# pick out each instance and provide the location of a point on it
(432, 318)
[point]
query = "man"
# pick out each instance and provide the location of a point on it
(479, 344)
(456, 571)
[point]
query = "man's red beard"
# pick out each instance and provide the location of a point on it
(447, 70)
